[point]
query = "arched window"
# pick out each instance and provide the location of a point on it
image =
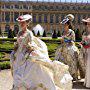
(25, 7)
(51, 18)
(57, 7)
(7, 6)
(7, 16)
(51, 7)
(46, 8)
(7, 28)
(45, 18)
(57, 18)
(40, 18)
(34, 18)
(16, 6)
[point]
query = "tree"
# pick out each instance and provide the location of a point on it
(78, 35)
(38, 34)
(10, 33)
(44, 34)
(33, 32)
(54, 35)
(59, 34)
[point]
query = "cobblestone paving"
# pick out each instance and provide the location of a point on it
(6, 81)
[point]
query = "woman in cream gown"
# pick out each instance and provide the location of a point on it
(86, 44)
(31, 67)
(67, 52)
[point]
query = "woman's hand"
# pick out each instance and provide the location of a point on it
(30, 49)
(62, 39)
(15, 46)
(33, 53)
(88, 36)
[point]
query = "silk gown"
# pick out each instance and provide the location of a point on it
(37, 71)
(86, 51)
(70, 55)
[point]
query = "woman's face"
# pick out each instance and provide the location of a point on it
(88, 24)
(88, 27)
(23, 25)
(66, 26)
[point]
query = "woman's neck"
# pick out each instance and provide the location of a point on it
(66, 30)
(24, 29)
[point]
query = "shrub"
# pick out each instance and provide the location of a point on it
(11, 33)
(78, 35)
(44, 34)
(2, 55)
(59, 34)
(54, 35)
(33, 32)
(5, 65)
(38, 34)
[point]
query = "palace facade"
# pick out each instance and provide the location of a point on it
(47, 14)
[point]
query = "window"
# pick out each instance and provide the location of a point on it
(7, 16)
(20, 7)
(11, 6)
(40, 18)
(46, 8)
(25, 7)
(51, 18)
(16, 14)
(62, 16)
(34, 18)
(45, 18)
(16, 6)
(34, 8)
(57, 18)
(30, 7)
(2, 6)
(57, 7)
(7, 6)
(51, 7)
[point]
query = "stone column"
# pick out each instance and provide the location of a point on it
(60, 26)
(3, 16)
(43, 18)
(76, 20)
(37, 17)
(48, 22)
(54, 21)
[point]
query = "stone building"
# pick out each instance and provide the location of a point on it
(47, 14)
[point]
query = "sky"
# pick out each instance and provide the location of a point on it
(84, 1)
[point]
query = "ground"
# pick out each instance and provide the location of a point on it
(6, 81)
